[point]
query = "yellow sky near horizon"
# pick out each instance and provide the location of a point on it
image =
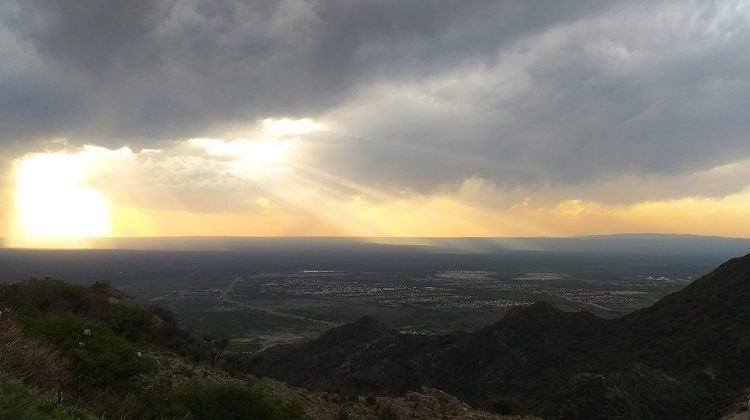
(589, 119)
(261, 185)
(52, 210)
(446, 217)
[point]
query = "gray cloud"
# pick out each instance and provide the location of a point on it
(145, 69)
(658, 91)
(421, 93)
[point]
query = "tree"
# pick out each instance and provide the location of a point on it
(215, 346)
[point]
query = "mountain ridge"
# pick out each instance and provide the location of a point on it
(692, 348)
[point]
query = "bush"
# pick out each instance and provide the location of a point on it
(23, 401)
(205, 400)
(166, 332)
(96, 353)
(45, 295)
(29, 358)
(130, 321)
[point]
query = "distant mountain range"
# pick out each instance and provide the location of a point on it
(140, 265)
(669, 244)
(687, 356)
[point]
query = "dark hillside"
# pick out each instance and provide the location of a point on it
(688, 356)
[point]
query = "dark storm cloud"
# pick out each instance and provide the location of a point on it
(660, 91)
(92, 35)
(427, 91)
(168, 68)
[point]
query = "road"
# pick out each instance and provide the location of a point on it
(230, 287)
(604, 308)
(224, 298)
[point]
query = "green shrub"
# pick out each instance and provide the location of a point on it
(130, 321)
(23, 401)
(45, 295)
(204, 401)
(95, 351)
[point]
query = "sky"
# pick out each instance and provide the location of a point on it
(373, 118)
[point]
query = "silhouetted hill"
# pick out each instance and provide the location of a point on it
(688, 356)
(722, 295)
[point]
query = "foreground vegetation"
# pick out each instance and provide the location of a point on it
(73, 352)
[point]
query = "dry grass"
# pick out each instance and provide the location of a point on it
(30, 359)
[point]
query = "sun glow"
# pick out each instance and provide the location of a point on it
(259, 156)
(53, 202)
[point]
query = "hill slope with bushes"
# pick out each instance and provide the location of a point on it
(73, 352)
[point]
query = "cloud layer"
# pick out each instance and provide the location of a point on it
(490, 101)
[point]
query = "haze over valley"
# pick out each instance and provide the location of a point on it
(263, 292)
